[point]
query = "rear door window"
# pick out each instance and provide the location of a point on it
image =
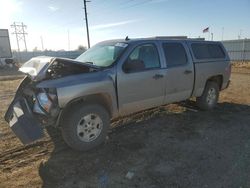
(207, 51)
(175, 54)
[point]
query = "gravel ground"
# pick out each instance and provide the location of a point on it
(173, 146)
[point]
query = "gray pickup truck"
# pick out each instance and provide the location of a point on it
(113, 79)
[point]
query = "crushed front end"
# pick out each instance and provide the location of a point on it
(31, 110)
(35, 107)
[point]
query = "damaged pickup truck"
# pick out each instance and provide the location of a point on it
(113, 79)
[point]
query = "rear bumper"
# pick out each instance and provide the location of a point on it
(22, 121)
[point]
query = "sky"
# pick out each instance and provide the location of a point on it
(60, 24)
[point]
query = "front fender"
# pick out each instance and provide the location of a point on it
(77, 86)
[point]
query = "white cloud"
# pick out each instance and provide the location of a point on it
(109, 25)
(8, 9)
(53, 8)
(156, 1)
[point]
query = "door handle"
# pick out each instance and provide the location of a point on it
(187, 71)
(158, 76)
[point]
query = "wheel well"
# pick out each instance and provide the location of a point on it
(102, 99)
(218, 79)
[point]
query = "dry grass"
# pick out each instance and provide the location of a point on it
(186, 143)
(241, 67)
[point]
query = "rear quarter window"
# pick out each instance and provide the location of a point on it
(207, 51)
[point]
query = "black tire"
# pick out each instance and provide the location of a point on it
(205, 102)
(73, 120)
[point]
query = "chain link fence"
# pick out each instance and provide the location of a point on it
(25, 56)
(238, 50)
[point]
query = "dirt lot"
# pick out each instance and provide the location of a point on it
(174, 146)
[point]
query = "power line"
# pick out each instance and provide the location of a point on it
(104, 7)
(139, 3)
(86, 19)
(120, 6)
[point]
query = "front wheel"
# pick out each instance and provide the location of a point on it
(209, 98)
(85, 127)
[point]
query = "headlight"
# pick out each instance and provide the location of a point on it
(45, 101)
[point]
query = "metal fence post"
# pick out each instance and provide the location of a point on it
(243, 51)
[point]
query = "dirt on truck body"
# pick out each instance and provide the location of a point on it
(173, 146)
(114, 79)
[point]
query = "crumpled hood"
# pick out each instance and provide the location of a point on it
(44, 67)
(35, 65)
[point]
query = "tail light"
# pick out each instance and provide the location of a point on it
(229, 68)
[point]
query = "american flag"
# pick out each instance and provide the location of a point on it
(206, 30)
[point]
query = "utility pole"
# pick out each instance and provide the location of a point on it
(243, 50)
(86, 19)
(15, 32)
(222, 33)
(68, 41)
(19, 31)
(42, 43)
(24, 39)
(239, 36)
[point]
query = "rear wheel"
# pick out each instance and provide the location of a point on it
(209, 98)
(85, 127)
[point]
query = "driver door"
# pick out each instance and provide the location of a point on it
(140, 87)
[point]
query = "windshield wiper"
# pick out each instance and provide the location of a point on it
(88, 62)
(92, 63)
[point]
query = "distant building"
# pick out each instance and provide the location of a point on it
(5, 49)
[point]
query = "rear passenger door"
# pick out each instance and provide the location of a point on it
(179, 71)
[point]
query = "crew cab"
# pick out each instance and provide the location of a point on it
(112, 79)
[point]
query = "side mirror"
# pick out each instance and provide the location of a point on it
(133, 66)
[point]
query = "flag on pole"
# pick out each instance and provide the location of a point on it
(206, 30)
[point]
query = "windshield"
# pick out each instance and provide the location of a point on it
(102, 55)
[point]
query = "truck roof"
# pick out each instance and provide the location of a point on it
(159, 38)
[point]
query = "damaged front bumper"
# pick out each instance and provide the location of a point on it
(36, 104)
(23, 122)
(25, 115)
